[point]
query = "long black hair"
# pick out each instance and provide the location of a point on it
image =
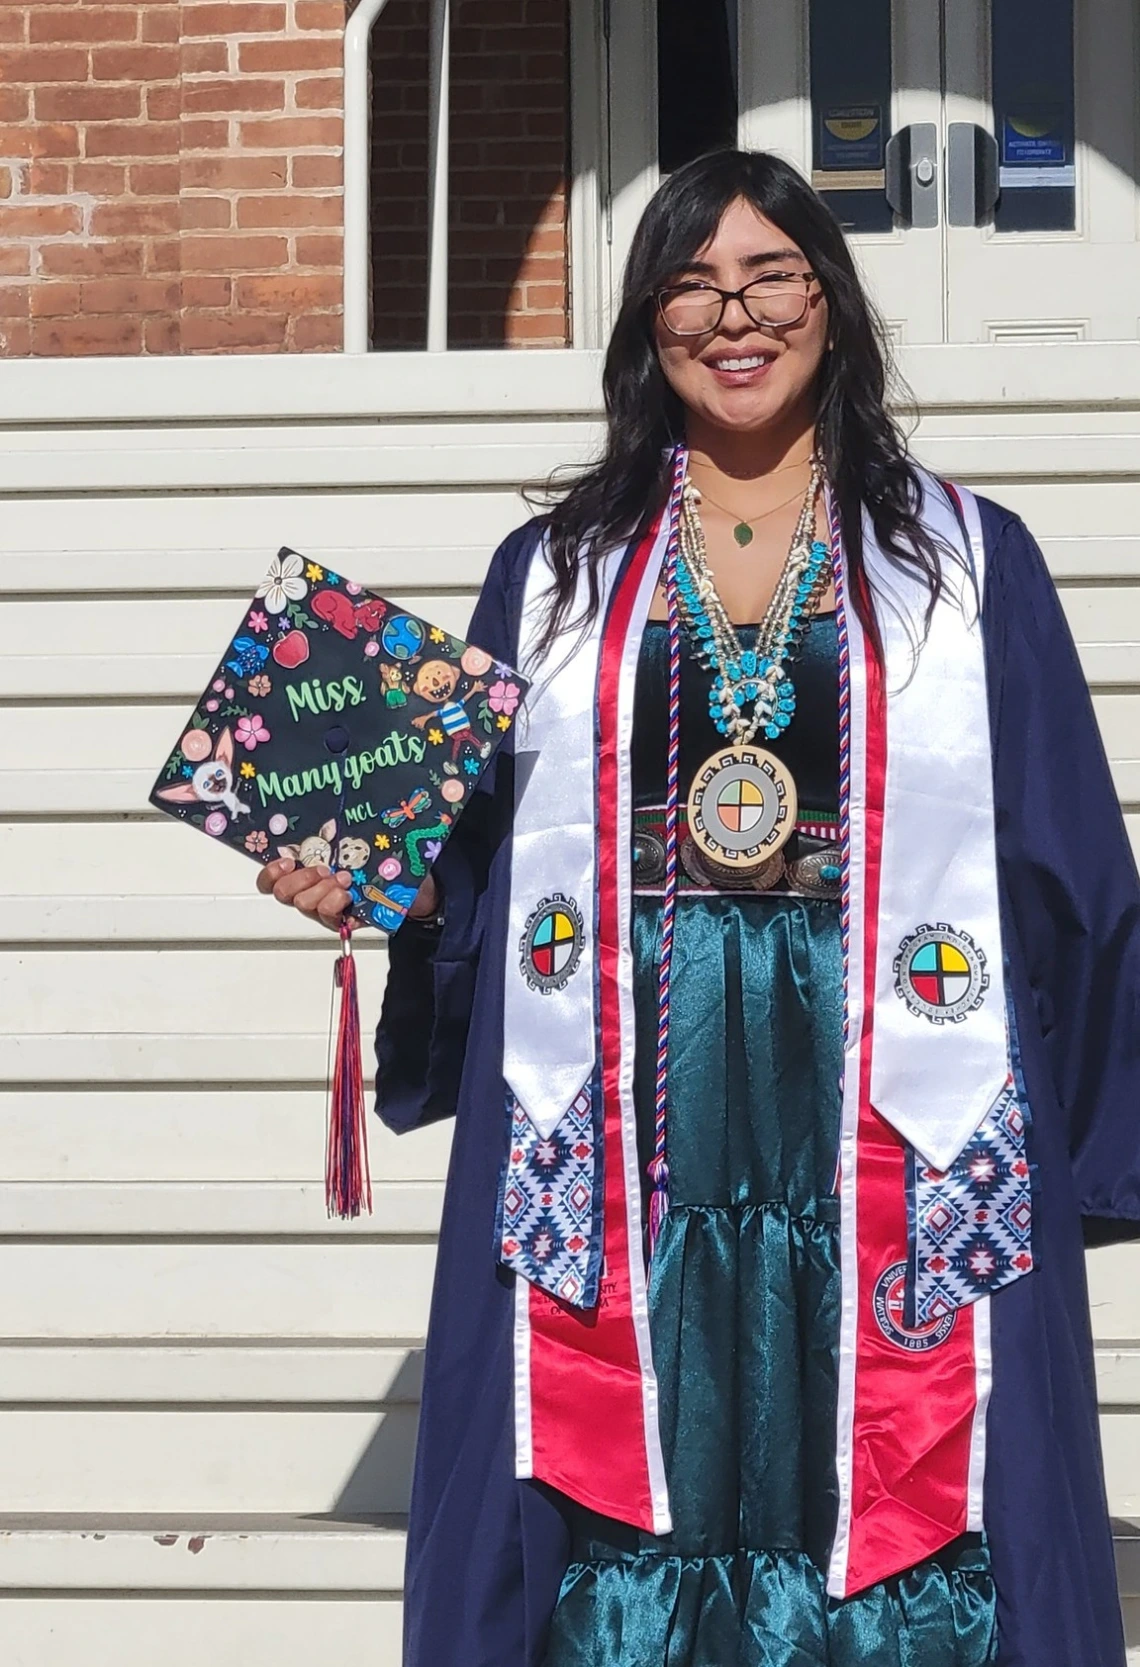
(862, 448)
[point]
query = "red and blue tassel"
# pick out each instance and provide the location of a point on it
(348, 1182)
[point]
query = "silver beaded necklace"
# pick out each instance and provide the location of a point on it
(751, 677)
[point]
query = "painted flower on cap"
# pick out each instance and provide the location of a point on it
(503, 697)
(216, 823)
(260, 685)
(258, 621)
(278, 823)
(283, 583)
(250, 732)
(258, 840)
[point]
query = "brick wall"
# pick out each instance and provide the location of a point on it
(170, 174)
(508, 266)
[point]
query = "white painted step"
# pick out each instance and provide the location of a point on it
(277, 1630)
(181, 1551)
(210, 545)
(73, 1136)
(157, 1209)
(308, 1460)
(158, 650)
(333, 1288)
(219, 1375)
(248, 1591)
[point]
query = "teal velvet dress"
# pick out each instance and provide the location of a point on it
(744, 1286)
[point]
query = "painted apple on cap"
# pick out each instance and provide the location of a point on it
(292, 650)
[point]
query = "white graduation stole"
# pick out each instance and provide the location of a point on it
(928, 1103)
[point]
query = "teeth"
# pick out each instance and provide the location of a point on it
(753, 363)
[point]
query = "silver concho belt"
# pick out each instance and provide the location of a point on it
(808, 865)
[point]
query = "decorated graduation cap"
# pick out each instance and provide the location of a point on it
(340, 729)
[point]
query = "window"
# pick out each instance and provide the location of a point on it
(1032, 46)
(850, 48)
(696, 79)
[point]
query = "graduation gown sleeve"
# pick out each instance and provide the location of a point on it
(422, 1036)
(1071, 882)
(1071, 930)
(486, 1552)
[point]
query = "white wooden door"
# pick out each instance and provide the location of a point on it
(982, 158)
(1052, 91)
(829, 86)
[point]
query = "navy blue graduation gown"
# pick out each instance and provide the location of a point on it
(486, 1553)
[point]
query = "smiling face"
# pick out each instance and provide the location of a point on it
(435, 681)
(743, 376)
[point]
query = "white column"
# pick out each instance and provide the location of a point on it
(438, 132)
(358, 174)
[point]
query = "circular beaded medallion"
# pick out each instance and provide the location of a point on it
(742, 807)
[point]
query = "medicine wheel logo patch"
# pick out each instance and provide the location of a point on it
(552, 943)
(889, 1300)
(941, 974)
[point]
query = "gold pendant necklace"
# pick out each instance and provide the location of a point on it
(742, 531)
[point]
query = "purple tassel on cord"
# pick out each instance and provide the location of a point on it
(658, 1171)
(348, 1182)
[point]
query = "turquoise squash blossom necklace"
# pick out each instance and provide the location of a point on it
(753, 677)
(742, 802)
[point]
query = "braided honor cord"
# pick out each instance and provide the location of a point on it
(659, 1167)
(839, 575)
(844, 653)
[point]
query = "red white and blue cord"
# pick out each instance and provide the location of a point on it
(659, 1165)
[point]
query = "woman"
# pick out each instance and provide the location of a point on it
(786, 988)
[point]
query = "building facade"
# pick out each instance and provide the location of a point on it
(289, 271)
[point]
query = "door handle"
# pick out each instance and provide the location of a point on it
(911, 162)
(971, 174)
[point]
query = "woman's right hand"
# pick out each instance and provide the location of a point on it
(315, 891)
(325, 896)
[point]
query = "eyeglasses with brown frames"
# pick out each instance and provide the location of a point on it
(696, 309)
